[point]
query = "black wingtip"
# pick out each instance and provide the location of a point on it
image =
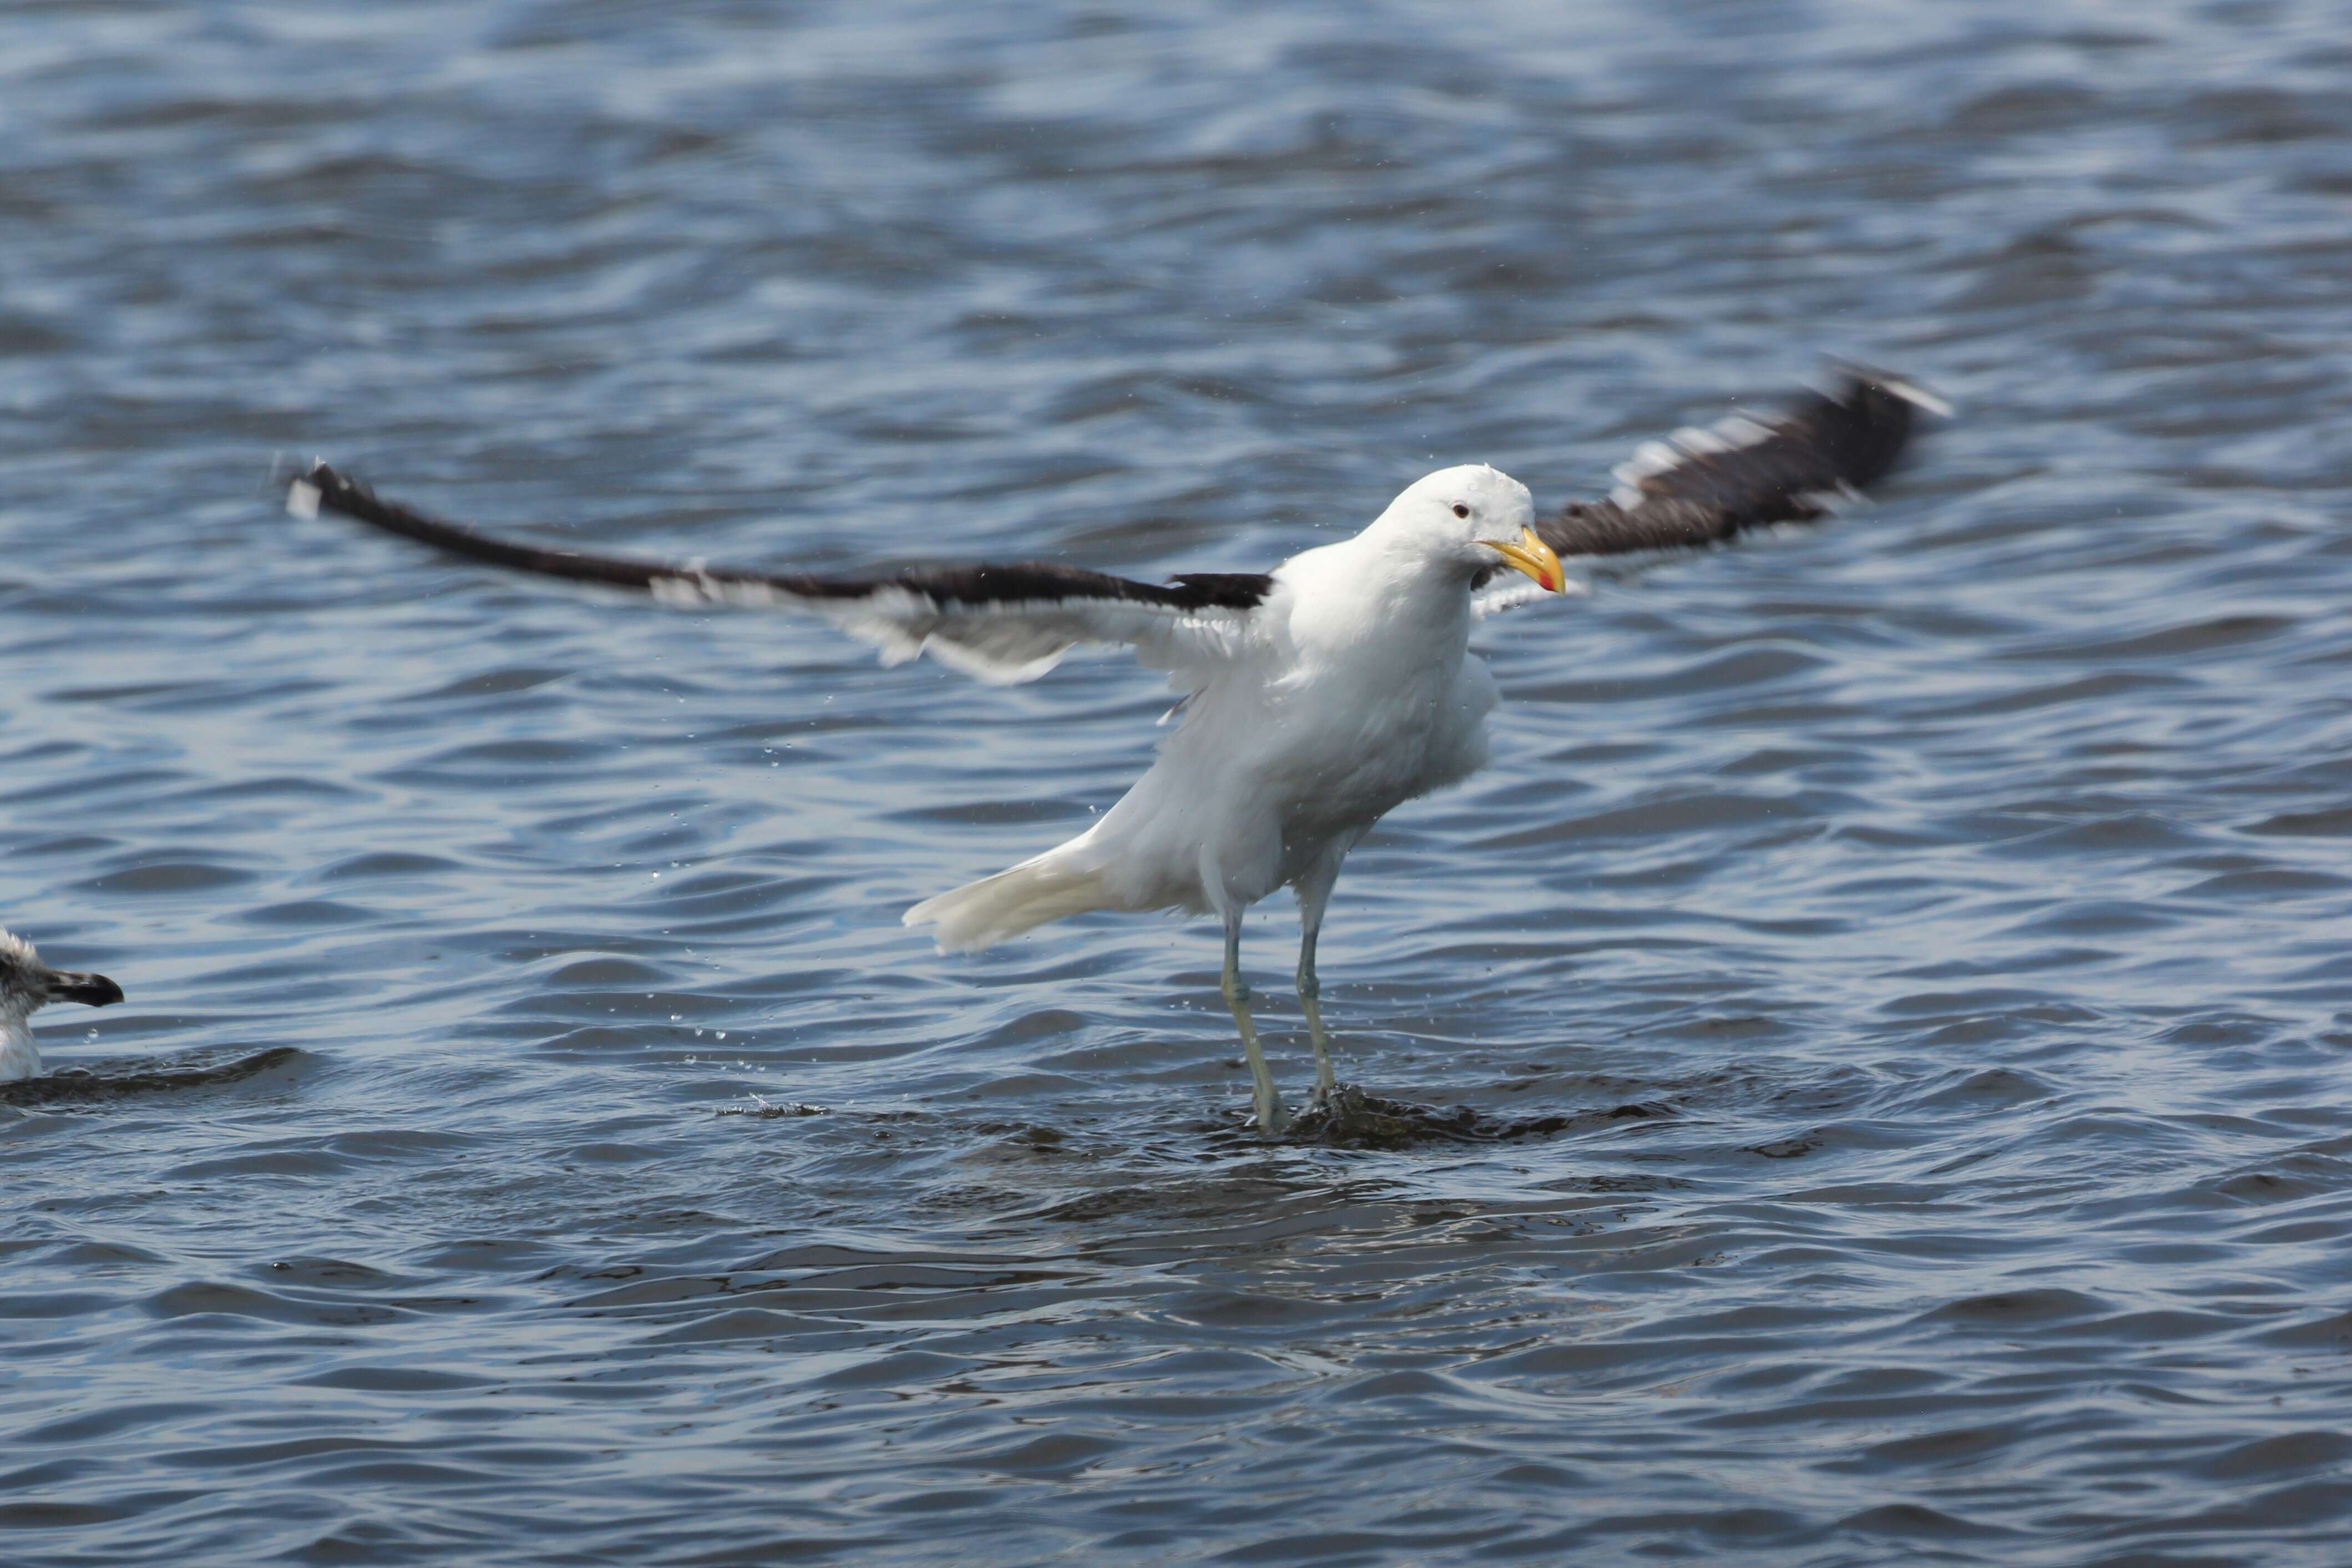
(1872, 416)
(320, 487)
(1861, 430)
(306, 486)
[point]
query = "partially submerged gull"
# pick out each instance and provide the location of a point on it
(1318, 696)
(27, 986)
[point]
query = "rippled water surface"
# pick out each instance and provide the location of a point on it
(1910, 954)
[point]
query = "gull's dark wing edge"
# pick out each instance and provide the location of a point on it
(1704, 487)
(998, 622)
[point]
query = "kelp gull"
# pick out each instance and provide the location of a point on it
(1318, 696)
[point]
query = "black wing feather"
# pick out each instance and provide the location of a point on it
(1026, 581)
(1712, 486)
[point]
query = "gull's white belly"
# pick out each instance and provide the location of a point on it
(1253, 792)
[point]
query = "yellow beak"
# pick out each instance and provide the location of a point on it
(1534, 557)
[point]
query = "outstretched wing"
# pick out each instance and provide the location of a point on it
(1703, 486)
(1001, 624)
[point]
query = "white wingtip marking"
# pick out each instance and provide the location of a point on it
(1836, 499)
(1688, 444)
(302, 499)
(1655, 457)
(1919, 396)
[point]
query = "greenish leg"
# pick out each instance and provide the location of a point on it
(1311, 1001)
(1270, 1118)
(1313, 893)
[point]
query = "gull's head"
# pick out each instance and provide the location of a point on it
(1475, 517)
(26, 984)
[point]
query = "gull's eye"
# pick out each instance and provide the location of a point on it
(1461, 511)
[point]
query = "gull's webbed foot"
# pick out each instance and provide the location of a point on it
(1347, 1115)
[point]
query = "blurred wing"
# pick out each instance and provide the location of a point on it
(1703, 486)
(1001, 624)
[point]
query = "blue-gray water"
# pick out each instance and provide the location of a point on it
(1919, 945)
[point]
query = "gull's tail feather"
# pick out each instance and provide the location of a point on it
(979, 915)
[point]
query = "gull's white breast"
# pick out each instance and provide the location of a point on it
(1361, 695)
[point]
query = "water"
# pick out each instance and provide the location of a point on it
(1913, 951)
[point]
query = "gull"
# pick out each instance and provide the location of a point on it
(27, 986)
(1316, 696)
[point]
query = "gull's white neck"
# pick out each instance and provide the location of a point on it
(1410, 588)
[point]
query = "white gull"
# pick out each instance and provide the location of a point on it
(27, 986)
(1317, 696)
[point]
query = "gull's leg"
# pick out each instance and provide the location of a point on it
(1314, 893)
(1311, 992)
(1270, 1119)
